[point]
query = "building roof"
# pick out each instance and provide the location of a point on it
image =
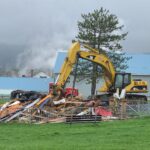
(139, 63)
(22, 83)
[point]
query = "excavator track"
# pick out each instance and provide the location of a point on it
(134, 99)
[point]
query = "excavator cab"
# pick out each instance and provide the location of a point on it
(122, 80)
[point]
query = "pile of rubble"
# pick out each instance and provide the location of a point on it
(34, 107)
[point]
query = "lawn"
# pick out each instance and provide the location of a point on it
(115, 135)
(2, 101)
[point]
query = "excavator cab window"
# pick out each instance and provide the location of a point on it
(122, 80)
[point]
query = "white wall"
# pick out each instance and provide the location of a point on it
(84, 89)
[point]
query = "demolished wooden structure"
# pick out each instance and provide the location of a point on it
(38, 108)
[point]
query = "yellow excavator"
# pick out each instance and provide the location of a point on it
(134, 89)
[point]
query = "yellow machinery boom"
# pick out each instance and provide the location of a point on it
(91, 55)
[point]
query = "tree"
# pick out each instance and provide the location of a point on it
(101, 30)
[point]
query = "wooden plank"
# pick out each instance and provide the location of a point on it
(24, 109)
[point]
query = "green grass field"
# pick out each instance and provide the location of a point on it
(2, 101)
(115, 135)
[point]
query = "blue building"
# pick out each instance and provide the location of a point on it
(7, 84)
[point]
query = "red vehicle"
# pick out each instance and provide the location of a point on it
(67, 92)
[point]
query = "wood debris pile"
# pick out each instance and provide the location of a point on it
(34, 107)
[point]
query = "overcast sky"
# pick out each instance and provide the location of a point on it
(31, 31)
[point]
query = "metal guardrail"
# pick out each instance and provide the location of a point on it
(84, 118)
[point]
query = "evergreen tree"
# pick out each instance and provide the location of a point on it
(101, 30)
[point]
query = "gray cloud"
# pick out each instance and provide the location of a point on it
(31, 31)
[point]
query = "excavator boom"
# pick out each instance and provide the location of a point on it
(89, 54)
(68, 64)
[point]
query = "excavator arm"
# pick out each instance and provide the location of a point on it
(68, 64)
(89, 54)
(107, 66)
